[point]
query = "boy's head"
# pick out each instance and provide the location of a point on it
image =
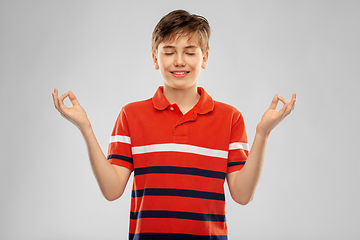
(181, 23)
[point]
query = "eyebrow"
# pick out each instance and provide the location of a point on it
(187, 47)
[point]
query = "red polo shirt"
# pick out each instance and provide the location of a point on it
(180, 163)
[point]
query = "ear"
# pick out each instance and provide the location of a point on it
(155, 60)
(205, 59)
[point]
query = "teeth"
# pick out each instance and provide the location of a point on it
(179, 73)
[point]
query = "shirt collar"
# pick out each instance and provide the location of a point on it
(203, 106)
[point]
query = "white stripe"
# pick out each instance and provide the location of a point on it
(174, 147)
(239, 145)
(119, 138)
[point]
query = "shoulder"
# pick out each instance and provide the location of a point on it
(138, 105)
(225, 108)
(135, 109)
(227, 113)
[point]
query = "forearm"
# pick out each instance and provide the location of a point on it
(248, 177)
(242, 184)
(111, 179)
(105, 174)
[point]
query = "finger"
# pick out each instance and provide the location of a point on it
(292, 102)
(73, 99)
(289, 105)
(56, 99)
(283, 100)
(274, 102)
(62, 97)
(284, 110)
(61, 104)
(55, 96)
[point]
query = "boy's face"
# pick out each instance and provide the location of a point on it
(180, 62)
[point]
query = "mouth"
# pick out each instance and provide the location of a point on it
(180, 73)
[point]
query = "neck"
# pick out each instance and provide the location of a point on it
(186, 99)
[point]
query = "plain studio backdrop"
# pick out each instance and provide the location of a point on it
(101, 50)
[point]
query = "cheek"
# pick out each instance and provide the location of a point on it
(195, 63)
(164, 67)
(165, 63)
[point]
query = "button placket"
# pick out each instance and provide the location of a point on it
(175, 114)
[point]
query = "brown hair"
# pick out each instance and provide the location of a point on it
(181, 23)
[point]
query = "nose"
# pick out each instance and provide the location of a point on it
(179, 61)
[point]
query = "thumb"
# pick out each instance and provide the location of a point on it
(274, 102)
(73, 99)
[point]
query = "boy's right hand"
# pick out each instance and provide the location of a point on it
(75, 114)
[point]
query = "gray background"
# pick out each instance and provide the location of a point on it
(101, 50)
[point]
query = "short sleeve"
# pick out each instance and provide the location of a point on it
(119, 151)
(238, 147)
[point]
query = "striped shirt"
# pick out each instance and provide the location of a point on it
(180, 163)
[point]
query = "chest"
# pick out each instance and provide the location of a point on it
(209, 130)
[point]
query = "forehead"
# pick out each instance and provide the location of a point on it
(181, 40)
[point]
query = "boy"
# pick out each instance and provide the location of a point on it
(180, 144)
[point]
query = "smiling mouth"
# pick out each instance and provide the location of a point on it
(180, 73)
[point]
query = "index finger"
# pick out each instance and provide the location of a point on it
(55, 96)
(59, 101)
(274, 102)
(293, 100)
(288, 106)
(73, 99)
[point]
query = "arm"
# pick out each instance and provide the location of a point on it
(242, 183)
(112, 179)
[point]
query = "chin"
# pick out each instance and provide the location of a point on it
(181, 86)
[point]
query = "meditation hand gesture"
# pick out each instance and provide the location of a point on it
(75, 114)
(272, 118)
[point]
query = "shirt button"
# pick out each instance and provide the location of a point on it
(171, 108)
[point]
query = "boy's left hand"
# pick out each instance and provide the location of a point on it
(271, 117)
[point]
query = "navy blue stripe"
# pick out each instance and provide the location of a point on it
(178, 193)
(128, 159)
(180, 170)
(235, 163)
(174, 236)
(178, 215)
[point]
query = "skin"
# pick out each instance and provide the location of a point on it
(242, 184)
(112, 179)
(181, 55)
